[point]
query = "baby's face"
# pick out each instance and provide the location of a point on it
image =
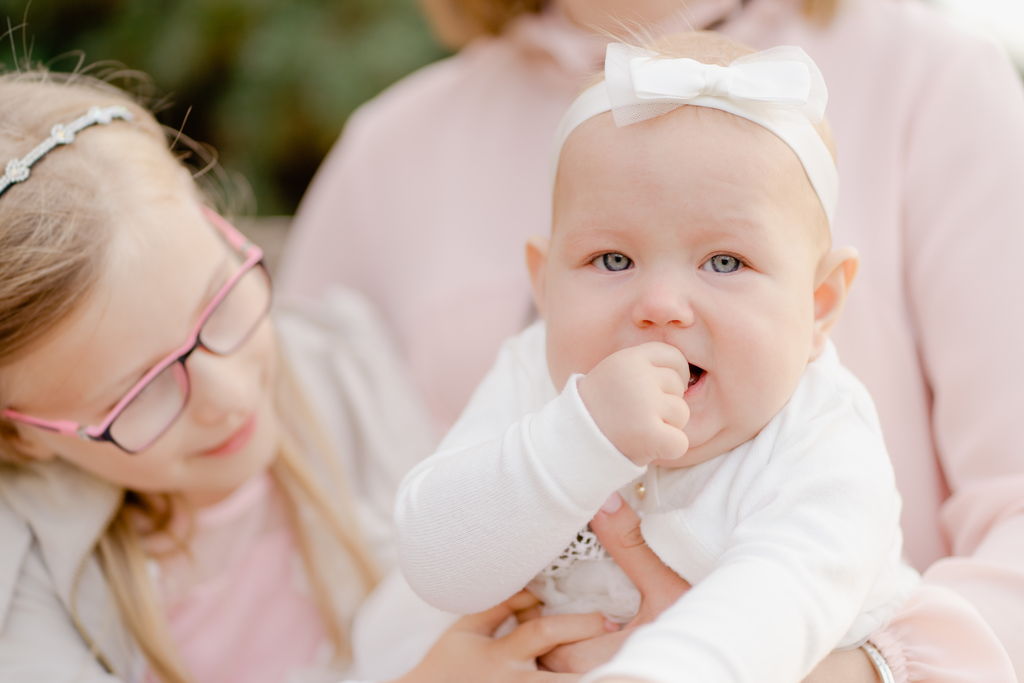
(697, 229)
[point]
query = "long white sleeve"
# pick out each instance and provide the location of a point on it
(811, 557)
(505, 493)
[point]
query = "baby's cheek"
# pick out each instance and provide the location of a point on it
(557, 365)
(567, 354)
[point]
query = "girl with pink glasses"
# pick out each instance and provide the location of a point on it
(167, 510)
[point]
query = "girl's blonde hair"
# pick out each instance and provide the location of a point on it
(54, 234)
(457, 22)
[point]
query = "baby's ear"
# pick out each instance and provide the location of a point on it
(832, 281)
(536, 259)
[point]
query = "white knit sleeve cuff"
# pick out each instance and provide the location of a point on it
(588, 467)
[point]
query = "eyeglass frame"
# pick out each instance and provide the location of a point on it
(253, 258)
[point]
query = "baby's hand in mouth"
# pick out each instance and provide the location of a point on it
(635, 396)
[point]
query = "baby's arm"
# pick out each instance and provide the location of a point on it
(513, 482)
(796, 574)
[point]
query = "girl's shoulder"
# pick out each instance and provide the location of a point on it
(50, 517)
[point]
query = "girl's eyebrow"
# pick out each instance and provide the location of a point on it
(117, 389)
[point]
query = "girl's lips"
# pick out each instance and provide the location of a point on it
(236, 441)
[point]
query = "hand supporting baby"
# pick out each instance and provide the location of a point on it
(618, 528)
(469, 650)
(635, 397)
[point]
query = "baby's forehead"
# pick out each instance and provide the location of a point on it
(708, 226)
(708, 163)
(679, 130)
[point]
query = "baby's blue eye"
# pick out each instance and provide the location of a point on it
(613, 261)
(724, 263)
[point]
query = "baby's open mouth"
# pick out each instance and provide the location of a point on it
(695, 374)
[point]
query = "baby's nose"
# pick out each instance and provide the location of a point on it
(663, 304)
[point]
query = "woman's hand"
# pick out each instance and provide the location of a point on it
(468, 651)
(618, 528)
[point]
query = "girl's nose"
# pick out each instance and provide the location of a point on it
(221, 386)
(663, 303)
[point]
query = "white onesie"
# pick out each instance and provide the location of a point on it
(791, 540)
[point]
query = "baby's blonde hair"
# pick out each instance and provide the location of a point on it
(55, 231)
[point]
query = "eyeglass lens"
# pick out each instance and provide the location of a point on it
(227, 327)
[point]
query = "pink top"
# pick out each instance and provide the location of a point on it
(426, 202)
(243, 565)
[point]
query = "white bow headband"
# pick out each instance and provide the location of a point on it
(780, 89)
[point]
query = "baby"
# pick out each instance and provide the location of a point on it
(686, 294)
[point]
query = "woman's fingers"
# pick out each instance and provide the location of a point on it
(584, 655)
(537, 636)
(487, 621)
(618, 528)
(528, 614)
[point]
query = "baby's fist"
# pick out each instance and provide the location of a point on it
(635, 396)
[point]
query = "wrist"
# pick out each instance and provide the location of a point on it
(883, 673)
(587, 465)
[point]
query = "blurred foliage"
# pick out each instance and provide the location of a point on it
(268, 83)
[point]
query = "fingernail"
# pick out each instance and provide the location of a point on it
(612, 505)
(610, 625)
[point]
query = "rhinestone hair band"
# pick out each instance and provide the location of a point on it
(18, 170)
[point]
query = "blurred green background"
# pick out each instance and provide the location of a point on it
(269, 82)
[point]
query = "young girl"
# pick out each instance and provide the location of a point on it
(166, 510)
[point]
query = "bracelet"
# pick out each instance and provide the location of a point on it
(878, 661)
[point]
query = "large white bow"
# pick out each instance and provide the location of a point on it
(642, 84)
(780, 89)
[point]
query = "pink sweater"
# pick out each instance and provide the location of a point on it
(426, 202)
(239, 607)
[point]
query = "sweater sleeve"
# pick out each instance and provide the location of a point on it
(815, 547)
(938, 636)
(965, 208)
(504, 493)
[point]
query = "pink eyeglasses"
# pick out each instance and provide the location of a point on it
(150, 407)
